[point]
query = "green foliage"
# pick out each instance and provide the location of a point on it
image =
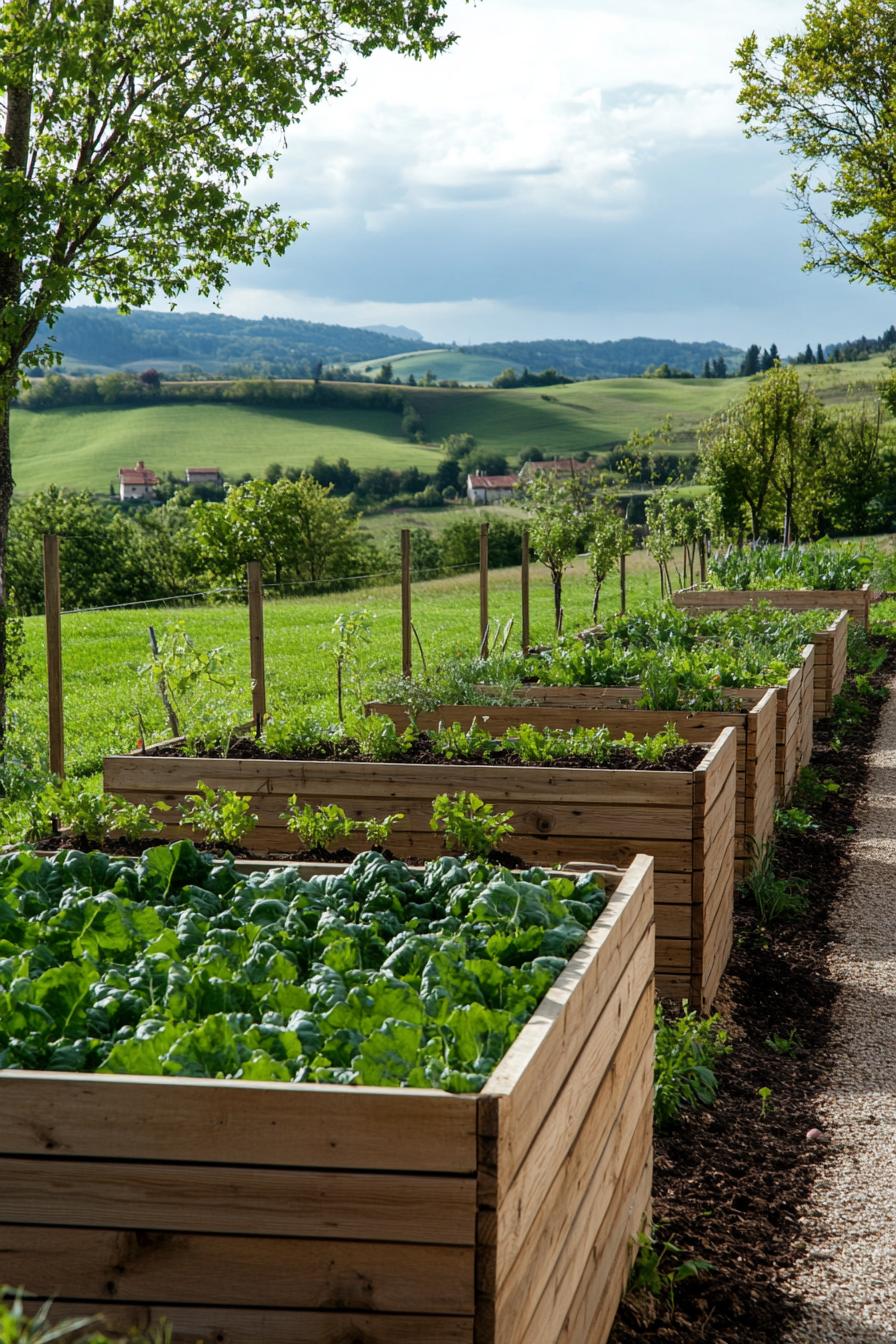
(377, 833)
(221, 815)
(180, 965)
(652, 748)
(82, 810)
(811, 789)
(317, 827)
(291, 731)
(765, 1101)
(454, 743)
(469, 825)
(783, 1045)
(350, 636)
(817, 565)
(776, 898)
(21, 1322)
(197, 688)
(297, 530)
(655, 1271)
(554, 508)
(688, 1047)
(825, 94)
(378, 738)
(682, 661)
(794, 819)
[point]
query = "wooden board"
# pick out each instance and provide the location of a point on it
(289, 1213)
(855, 601)
(564, 1147)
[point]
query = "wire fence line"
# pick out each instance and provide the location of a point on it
(346, 580)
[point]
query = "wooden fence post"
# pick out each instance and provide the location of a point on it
(256, 642)
(406, 603)
(622, 583)
(53, 618)
(483, 590)
(524, 587)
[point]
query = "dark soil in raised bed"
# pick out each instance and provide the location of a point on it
(687, 757)
(729, 1182)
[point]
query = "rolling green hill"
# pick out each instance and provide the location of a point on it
(85, 446)
(460, 365)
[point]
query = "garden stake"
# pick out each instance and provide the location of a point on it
(483, 590)
(53, 618)
(406, 603)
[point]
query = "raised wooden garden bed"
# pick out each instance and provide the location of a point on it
(794, 736)
(684, 818)
(830, 647)
(856, 601)
(256, 1213)
(755, 727)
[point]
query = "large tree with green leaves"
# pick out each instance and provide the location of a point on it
(131, 132)
(828, 95)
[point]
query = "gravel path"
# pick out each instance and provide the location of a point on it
(847, 1281)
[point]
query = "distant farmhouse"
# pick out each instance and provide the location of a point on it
(561, 467)
(204, 476)
(491, 489)
(141, 483)
(137, 482)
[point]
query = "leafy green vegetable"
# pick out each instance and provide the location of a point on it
(180, 965)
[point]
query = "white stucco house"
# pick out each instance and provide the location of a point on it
(491, 489)
(137, 482)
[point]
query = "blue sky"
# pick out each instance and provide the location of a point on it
(567, 170)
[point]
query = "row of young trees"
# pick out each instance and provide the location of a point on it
(781, 463)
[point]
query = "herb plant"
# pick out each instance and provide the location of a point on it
(469, 825)
(180, 965)
(657, 1271)
(317, 827)
(455, 743)
(221, 815)
(377, 833)
(688, 1048)
(775, 897)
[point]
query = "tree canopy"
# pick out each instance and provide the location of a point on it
(131, 135)
(826, 94)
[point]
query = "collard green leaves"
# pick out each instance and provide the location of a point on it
(180, 965)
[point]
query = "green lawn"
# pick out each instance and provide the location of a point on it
(83, 447)
(102, 650)
(442, 363)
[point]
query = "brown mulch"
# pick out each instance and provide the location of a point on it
(729, 1181)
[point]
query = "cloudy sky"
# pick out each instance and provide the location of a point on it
(573, 169)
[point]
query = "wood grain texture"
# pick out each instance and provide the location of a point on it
(259, 1326)
(855, 601)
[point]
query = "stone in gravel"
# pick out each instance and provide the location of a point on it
(816, 1136)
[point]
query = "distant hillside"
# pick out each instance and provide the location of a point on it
(406, 334)
(450, 363)
(608, 359)
(101, 339)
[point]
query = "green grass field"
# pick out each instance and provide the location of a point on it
(442, 363)
(84, 447)
(103, 650)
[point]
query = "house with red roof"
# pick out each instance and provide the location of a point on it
(491, 489)
(137, 482)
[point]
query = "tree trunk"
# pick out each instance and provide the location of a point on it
(594, 604)
(6, 488)
(558, 602)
